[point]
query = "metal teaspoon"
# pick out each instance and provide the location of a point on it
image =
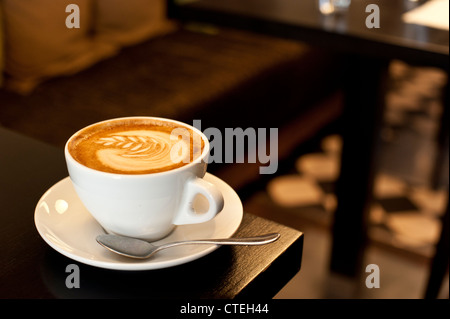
(140, 249)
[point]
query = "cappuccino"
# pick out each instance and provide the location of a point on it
(136, 146)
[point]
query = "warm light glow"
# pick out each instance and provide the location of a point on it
(61, 206)
(44, 205)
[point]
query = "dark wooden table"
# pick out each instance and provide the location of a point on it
(29, 268)
(366, 53)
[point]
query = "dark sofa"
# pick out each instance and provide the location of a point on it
(225, 78)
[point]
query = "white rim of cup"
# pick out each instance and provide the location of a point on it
(136, 176)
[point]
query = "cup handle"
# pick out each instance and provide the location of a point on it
(187, 213)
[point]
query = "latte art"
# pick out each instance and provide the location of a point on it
(138, 151)
(136, 148)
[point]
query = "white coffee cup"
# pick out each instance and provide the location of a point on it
(144, 205)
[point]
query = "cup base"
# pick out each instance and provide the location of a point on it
(149, 238)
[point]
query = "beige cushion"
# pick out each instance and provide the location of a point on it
(128, 22)
(38, 44)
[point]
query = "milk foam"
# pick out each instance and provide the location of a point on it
(139, 150)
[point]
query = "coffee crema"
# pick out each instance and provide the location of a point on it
(136, 146)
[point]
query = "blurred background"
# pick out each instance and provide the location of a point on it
(129, 58)
(405, 217)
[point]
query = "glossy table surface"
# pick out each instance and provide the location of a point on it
(346, 31)
(29, 268)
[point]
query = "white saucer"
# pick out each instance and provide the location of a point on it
(65, 224)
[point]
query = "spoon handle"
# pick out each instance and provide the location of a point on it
(257, 240)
